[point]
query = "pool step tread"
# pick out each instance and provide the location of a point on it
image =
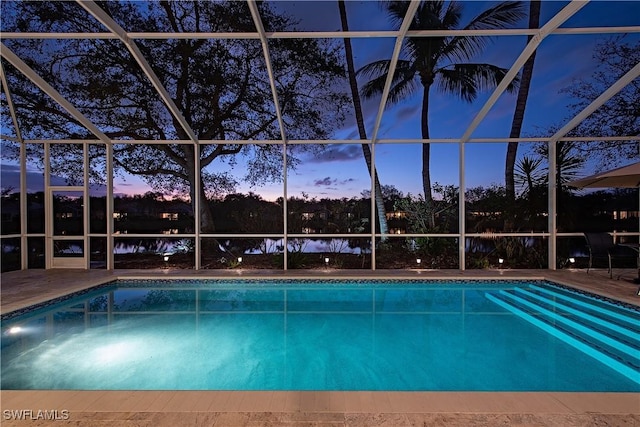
(594, 319)
(615, 344)
(622, 315)
(598, 316)
(574, 325)
(625, 321)
(624, 366)
(584, 333)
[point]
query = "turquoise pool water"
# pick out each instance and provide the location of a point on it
(324, 335)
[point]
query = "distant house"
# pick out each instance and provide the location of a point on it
(315, 218)
(625, 214)
(396, 215)
(397, 231)
(322, 214)
(481, 213)
(397, 222)
(171, 216)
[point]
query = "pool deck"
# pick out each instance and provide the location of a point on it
(291, 408)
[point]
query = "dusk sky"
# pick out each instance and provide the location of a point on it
(560, 59)
(341, 171)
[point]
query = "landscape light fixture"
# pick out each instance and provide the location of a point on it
(572, 260)
(418, 261)
(166, 258)
(500, 261)
(326, 260)
(239, 260)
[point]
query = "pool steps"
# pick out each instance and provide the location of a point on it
(602, 330)
(604, 323)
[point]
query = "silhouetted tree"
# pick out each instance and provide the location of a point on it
(357, 108)
(518, 114)
(620, 116)
(221, 87)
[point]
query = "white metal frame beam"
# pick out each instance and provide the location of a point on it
(255, 14)
(319, 34)
(567, 12)
(404, 27)
(24, 249)
(13, 59)
(98, 13)
(12, 110)
(623, 81)
(115, 28)
(331, 141)
(539, 35)
(257, 20)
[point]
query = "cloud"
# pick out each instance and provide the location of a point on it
(10, 178)
(408, 112)
(324, 181)
(331, 183)
(338, 153)
(10, 168)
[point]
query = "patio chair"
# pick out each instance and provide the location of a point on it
(601, 245)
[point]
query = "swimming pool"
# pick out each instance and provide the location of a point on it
(324, 335)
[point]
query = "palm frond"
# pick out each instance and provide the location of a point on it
(373, 87)
(423, 51)
(466, 80)
(457, 82)
(396, 10)
(431, 15)
(529, 173)
(500, 16)
(451, 17)
(428, 16)
(569, 161)
(375, 69)
(403, 87)
(402, 84)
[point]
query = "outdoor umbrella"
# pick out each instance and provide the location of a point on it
(624, 177)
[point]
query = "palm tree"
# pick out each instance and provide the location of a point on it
(366, 151)
(518, 115)
(529, 174)
(569, 163)
(440, 60)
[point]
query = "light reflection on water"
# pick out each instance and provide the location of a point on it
(272, 245)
